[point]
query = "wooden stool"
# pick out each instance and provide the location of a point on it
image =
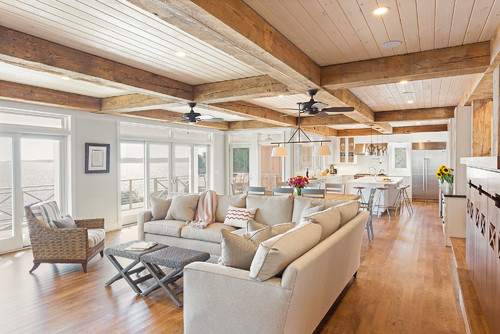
(403, 200)
(360, 193)
(379, 198)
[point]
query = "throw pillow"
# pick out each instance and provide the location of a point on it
(252, 225)
(238, 251)
(65, 222)
(183, 207)
(309, 209)
(348, 211)
(159, 207)
(238, 217)
(275, 254)
(329, 220)
(223, 203)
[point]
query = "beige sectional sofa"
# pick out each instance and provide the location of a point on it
(223, 299)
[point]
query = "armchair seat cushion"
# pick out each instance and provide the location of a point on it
(95, 235)
(165, 227)
(211, 233)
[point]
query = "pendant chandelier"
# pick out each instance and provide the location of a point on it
(371, 149)
(280, 151)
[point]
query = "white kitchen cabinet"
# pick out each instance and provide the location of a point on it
(452, 209)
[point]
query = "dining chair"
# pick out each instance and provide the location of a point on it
(335, 188)
(315, 193)
(368, 206)
(256, 191)
(282, 191)
(238, 188)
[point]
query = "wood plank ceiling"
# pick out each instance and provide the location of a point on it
(228, 56)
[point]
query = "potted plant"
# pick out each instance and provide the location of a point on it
(298, 182)
(445, 177)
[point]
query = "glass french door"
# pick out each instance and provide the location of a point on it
(182, 169)
(159, 169)
(271, 169)
(31, 170)
(132, 180)
(200, 179)
(240, 168)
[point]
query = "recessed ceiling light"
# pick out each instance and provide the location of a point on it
(380, 11)
(181, 54)
(391, 44)
(65, 77)
(410, 101)
(403, 82)
(280, 95)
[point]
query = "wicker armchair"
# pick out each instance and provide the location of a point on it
(63, 245)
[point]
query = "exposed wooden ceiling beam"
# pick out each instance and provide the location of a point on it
(328, 120)
(165, 115)
(244, 125)
(246, 88)
(255, 112)
(458, 60)
(41, 55)
(321, 130)
(382, 127)
(481, 86)
(415, 114)
(362, 113)
(395, 130)
(136, 102)
(239, 31)
(49, 97)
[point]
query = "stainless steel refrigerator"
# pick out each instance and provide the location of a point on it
(426, 158)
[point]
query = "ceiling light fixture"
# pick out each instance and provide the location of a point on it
(65, 77)
(403, 82)
(380, 11)
(410, 101)
(391, 44)
(280, 151)
(181, 54)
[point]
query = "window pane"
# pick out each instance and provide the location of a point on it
(200, 168)
(241, 169)
(132, 178)
(399, 157)
(40, 173)
(159, 170)
(6, 227)
(32, 120)
(182, 169)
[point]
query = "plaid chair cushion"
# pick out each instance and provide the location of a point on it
(95, 235)
(46, 212)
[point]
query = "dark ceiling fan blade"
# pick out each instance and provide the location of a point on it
(322, 114)
(338, 109)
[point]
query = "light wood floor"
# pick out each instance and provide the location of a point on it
(407, 283)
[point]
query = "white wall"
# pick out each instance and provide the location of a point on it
(218, 163)
(95, 195)
(461, 136)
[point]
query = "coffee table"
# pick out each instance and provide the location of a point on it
(120, 251)
(172, 257)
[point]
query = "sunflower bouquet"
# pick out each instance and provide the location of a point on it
(445, 174)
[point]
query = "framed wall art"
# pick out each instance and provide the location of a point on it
(96, 158)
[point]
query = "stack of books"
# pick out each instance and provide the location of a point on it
(141, 246)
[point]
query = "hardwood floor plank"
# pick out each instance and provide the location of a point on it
(407, 283)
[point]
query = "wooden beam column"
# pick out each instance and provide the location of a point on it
(481, 127)
(495, 112)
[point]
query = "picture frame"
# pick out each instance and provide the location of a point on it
(96, 158)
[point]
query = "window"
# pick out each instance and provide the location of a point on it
(400, 157)
(181, 182)
(132, 179)
(32, 119)
(159, 169)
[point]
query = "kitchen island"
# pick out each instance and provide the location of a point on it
(370, 182)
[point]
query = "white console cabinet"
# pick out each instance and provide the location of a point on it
(453, 214)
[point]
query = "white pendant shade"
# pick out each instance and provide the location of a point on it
(279, 151)
(322, 150)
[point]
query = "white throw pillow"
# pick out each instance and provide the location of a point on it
(238, 217)
(329, 220)
(309, 209)
(238, 251)
(183, 207)
(159, 207)
(275, 254)
(252, 225)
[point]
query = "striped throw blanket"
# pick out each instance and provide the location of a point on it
(205, 214)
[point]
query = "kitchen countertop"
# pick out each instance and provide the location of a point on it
(377, 180)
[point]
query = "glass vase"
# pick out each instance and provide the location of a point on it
(298, 191)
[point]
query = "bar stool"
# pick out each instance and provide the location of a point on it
(360, 193)
(368, 206)
(403, 200)
(380, 201)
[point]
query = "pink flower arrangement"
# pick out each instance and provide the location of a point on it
(298, 181)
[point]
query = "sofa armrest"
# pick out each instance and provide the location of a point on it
(239, 301)
(143, 217)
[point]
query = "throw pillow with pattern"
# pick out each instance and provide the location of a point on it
(238, 217)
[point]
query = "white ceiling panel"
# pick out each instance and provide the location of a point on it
(286, 104)
(349, 126)
(120, 31)
(417, 123)
(30, 77)
(227, 117)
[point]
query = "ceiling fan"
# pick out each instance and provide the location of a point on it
(313, 107)
(193, 117)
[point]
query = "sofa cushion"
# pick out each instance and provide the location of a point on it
(309, 209)
(165, 227)
(329, 220)
(183, 207)
(348, 211)
(238, 251)
(240, 231)
(275, 254)
(95, 236)
(252, 226)
(272, 209)
(238, 217)
(66, 222)
(211, 233)
(299, 203)
(46, 212)
(159, 207)
(238, 201)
